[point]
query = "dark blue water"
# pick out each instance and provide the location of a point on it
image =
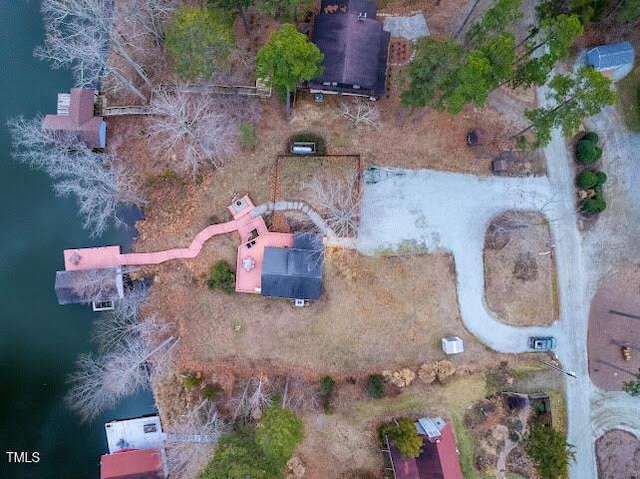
(40, 340)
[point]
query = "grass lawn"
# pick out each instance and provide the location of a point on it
(629, 99)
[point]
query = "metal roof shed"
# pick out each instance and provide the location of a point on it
(452, 345)
(610, 57)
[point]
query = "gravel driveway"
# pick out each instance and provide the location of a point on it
(433, 210)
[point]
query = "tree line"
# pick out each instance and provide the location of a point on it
(450, 74)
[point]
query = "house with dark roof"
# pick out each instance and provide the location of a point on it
(76, 116)
(614, 60)
(355, 49)
(438, 459)
(296, 272)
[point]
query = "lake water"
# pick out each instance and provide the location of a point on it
(40, 340)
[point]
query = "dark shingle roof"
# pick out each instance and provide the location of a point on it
(355, 51)
(296, 272)
(606, 57)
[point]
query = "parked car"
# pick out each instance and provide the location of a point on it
(542, 343)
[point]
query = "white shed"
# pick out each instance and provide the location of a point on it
(452, 345)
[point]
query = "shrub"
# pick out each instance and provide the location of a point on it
(592, 206)
(632, 387)
(221, 277)
(327, 385)
(590, 136)
(375, 386)
(549, 451)
(307, 136)
(248, 135)
(238, 455)
(191, 381)
(404, 436)
(587, 152)
(279, 433)
(587, 179)
(602, 177)
(209, 392)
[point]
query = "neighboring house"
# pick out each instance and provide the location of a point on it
(438, 459)
(75, 116)
(294, 273)
(100, 287)
(136, 449)
(355, 49)
(614, 60)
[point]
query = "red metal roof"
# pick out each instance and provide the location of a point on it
(132, 464)
(438, 460)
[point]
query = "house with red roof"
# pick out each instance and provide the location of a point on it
(438, 459)
(76, 116)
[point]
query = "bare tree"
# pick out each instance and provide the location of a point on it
(192, 439)
(190, 131)
(338, 199)
(149, 16)
(98, 182)
(96, 284)
(124, 320)
(360, 113)
(98, 382)
(300, 396)
(81, 34)
(254, 400)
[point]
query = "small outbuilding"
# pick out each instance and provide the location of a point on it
(452, 345)
(76, 116)
(294, 273)
(615, 60)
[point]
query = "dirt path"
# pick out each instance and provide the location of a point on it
(509, 445)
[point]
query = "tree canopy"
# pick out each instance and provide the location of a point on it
(287, 59)
(238, 456)
(587, 10)
(549, 450)
(404, 436)
(575, 98)
(279, 433)
(199, 42)
(448, 76)
(257, 454)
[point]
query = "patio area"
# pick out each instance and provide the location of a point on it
(253, 233)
